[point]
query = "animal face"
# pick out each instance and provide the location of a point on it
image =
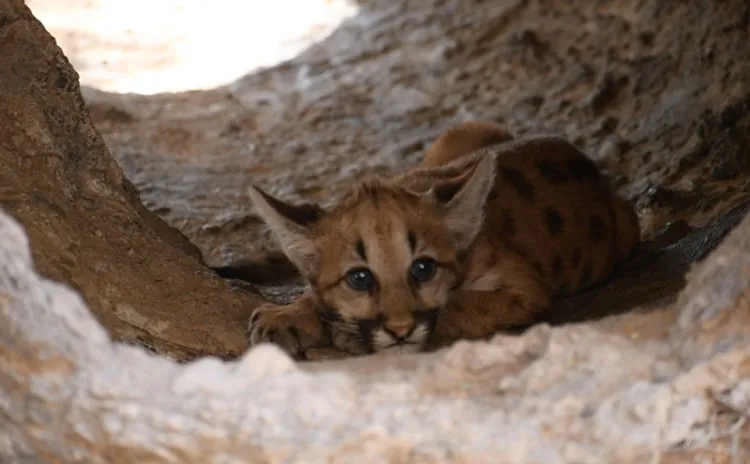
(386, 271)
(383, 263)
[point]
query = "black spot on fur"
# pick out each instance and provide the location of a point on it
(360, 247)
(554, 221)
(564, 289)
(538, 266)
(519, 183)
(587, 272)
(551, 172)
(597, 228)
(583, 169)
(508, 225)
(557, 265)
(575, 260)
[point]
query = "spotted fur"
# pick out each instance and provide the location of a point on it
(509, 223)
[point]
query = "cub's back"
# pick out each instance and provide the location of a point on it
(551, 205)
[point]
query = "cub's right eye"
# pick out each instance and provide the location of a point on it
(360, 279)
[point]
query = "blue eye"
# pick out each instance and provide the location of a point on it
(423, 269)
(360, 279)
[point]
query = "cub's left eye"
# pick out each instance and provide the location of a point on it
(423, 269)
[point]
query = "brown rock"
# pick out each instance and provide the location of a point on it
(143, 280)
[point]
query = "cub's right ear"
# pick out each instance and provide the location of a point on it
(463, 199)
(291, 225)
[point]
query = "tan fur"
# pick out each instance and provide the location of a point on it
(464, 138)
(513, 224)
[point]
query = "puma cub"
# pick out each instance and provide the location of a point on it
(479, 238)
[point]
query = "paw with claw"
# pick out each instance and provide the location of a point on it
(294, 328)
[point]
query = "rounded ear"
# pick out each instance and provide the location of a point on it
(462, 200)
(291, 225)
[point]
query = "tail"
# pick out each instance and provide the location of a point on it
(262, 268)
(462, 139)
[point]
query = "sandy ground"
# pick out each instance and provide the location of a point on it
(183, 44)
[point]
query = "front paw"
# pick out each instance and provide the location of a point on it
(293, 330)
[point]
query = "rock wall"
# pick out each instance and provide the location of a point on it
(143, 279)
(657, 92)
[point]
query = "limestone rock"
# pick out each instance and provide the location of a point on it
(569, 394)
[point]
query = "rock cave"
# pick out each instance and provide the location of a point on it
(118, 343)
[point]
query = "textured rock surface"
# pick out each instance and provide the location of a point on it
(144, 280)
(69, 394)
(657, 91)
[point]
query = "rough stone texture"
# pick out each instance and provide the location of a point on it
(144, 280)
(69, 394)
(658, 92)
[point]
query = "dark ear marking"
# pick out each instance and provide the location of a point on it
(291, 225)
(360, 247)
(445, 191)
(302, 214)
(462, 200)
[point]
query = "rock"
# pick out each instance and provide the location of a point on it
(144, 280)
(569, 394)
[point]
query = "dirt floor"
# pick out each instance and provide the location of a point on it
(647, 88)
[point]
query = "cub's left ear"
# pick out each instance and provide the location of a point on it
(463, 199)
(291, 224)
